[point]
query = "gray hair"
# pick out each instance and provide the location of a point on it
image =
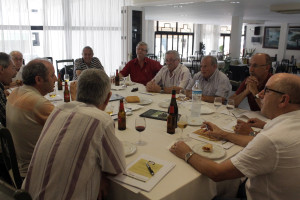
(5, 60)
(93, 87)
(141, 43)
(89, 48)
(14, 53)
(289, 84)
(175, 53)
(34, 68)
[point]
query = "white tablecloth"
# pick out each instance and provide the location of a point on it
(183, 181)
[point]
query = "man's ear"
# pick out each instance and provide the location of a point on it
(38, 79)
(285, 99)
(107, 98)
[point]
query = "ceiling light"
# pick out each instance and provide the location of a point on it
(234, 2)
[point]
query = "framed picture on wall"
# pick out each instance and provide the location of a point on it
(293, 41)
(271, 37)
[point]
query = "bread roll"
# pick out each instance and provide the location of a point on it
(207, 148)
(132, 99)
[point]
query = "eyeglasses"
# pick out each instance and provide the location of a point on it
(141, 49)
(266, 90)
(256, 66)
(170, 60)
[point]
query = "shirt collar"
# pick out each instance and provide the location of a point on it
(212, 76)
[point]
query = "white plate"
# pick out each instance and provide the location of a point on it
(195, 121)
(134, 107)
(129, 148)
(217, 152)
(164, 104)
(205, 110)
(144, 101)
(113, 87)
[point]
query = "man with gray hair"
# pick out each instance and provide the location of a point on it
(141, 69)
(7, 71)
(173, 76)
(27, 109)
(213, 82)
(17, 58)
(77, 145)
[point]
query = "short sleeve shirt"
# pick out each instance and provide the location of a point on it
(81, 65)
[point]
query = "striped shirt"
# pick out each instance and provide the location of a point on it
(216, 85)
(76, 145)
(81, 65)
(180, 76)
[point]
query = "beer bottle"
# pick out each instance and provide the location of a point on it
(171, 121)
(117, 79)
(121, 116)
(59, 82)
(174, 103)
(66, 93)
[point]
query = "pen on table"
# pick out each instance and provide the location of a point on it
(149, 169)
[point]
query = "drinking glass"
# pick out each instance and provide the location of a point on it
(182, 124)
(112, 77)
(124, 82)
(109, 109)
(140, 125)
(230, 106)
(217, 102)
(181, 95)
(66, 77)
(53, 93)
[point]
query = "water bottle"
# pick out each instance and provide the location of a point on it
(196, 98)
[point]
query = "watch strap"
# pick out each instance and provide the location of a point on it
(188, 156)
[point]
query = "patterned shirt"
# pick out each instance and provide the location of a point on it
(180, 77)
(216, 85)
(140, 74)
(81, 65)
(76, 145)
(2, 105)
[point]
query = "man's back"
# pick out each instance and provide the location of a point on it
(76, 143)
(27, 111)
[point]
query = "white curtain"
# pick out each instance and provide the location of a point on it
(15, 33)
(210, 35)
(70, 25)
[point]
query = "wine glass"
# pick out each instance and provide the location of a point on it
(124, 82)
(181, 96)
(140, 125)
(230, 106)
(182, 124)
(66, 77)
(109, 109)
(217, 102)
(112, 77)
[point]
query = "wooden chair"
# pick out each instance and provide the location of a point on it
(9, 157)
(9, 193)
(63, 66)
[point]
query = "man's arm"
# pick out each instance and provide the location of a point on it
(217, 172)
(240, 97)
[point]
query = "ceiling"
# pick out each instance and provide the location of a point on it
(217, 12)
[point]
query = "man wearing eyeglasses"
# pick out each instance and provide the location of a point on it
(173, 76)
(259, 75)
(271, 160)
(141, 69)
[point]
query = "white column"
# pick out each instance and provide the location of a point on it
(150, 35)
(282, 41)
(236, 34)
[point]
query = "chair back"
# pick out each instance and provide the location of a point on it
(63, 66)
(9, 157)
(152, 56)
(50, 59)
(9, 193)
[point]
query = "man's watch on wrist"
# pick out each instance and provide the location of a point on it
(253, 133)
(188, 156)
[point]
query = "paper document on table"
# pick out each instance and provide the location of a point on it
(258, 115)
(138, 175)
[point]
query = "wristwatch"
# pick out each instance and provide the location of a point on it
(188, 155)
(253, 133)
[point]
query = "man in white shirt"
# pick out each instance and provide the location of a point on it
(172, 76)
(271, 160)
(213, 82)
(17, 58)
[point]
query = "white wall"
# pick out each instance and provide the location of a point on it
(281, 53)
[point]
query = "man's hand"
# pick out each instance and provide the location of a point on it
(214, 130)
(180, 149)
(252, 84)
(254, 122)
(153, 87)
(242, 128)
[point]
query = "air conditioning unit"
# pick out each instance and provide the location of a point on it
(286, 8)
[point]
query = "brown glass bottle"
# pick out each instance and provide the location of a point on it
(66, 93)
(174, 103)
(117, 79)
(171, 121)
(121, 116)
(59, 82)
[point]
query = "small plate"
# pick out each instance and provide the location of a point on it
(195, 121)
(217, 152)
(164, 104)
(145, 101)
(134, 107)
(113, 87)
(129, 148)
(205, 110)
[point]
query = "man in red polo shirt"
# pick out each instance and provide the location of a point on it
(141, 69)
(259, 75)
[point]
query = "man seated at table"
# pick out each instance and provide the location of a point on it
(7, 72)
(173, 76)
(77, 146)
(272, 156)
(259, 75)
(17, 58)
(213, 82)
(27, 109)
(87, 61)
(141, 69)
